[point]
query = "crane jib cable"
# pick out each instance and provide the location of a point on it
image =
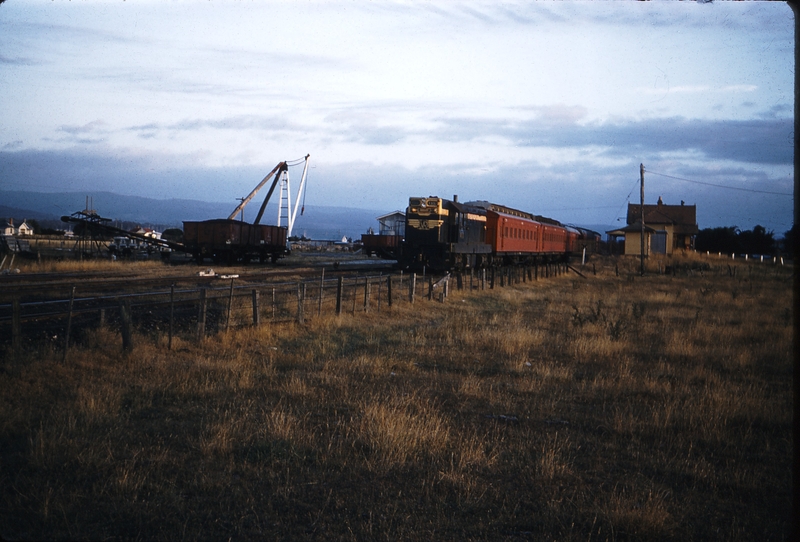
(721, 185)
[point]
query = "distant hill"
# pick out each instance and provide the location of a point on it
(318, 222)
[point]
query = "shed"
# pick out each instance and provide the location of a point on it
(393, 223)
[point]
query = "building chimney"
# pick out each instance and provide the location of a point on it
(455, 198)
(659, 201)
(682, 202)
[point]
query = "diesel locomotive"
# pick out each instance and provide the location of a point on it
(444, 234)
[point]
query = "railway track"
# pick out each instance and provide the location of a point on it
(42, 286)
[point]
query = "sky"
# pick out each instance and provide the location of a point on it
(549, 107)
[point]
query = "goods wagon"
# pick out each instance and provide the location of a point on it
(230, 241)
(385, 246)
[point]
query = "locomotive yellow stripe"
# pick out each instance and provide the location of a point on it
(423, 224)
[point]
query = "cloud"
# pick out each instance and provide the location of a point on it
(697, 89)
(89, 127)
(13, 145)
(764, 141)
(580, 191)
(17, 61)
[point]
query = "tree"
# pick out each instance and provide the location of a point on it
(35, 226)
(718, 240)
(790, 240)
(757, 241)
(173, 234)
(732, 240)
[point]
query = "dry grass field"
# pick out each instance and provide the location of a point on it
(606, 408)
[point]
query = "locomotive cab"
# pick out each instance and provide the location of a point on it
(443, 234)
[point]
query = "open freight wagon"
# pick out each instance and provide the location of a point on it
(229, 241)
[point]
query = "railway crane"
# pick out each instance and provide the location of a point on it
(227, 239)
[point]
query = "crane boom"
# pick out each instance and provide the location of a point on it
(280, 167)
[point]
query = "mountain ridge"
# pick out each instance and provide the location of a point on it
(318, 222)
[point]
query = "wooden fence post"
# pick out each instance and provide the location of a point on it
(300, 316)
(430, 288)
(491, 279)
(201, 315)
(321, 289)
(69, 325)
(256, 315)
(412, 287)
(339, 288)
(273, 303)
(127, 324)
(389, 290)
(483, 279)
(171, 314)
(380, 287)
(366, 294)
(16, 325)
(230, 305)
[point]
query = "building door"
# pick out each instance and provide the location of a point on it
(659, 242)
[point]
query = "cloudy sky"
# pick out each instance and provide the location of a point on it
(549, 107)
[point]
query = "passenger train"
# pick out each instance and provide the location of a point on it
(444, 234)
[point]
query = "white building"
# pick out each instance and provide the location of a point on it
(22, 229)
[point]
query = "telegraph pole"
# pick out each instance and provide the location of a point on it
(641, 208)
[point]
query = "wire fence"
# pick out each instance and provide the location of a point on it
(192, 314)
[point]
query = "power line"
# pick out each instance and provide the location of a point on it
(721, 185)
(627, 200)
